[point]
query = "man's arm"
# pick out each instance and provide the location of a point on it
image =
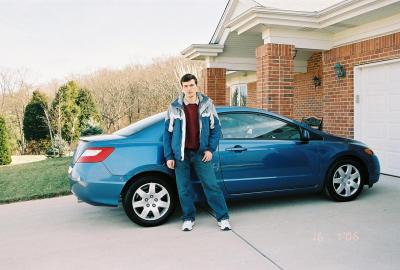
(167, 136)
(215, 130)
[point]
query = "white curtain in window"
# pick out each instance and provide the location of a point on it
(238, 93)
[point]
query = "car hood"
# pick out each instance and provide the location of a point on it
(330, 137)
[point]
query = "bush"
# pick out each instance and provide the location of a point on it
(35, 124)
(5, 152)
(65, 111)
(60, 148)
(92, 130)
(37, 147)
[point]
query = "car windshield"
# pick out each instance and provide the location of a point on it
(140, 125)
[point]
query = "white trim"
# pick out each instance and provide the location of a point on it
(350, 9)
(318, 20)
(300, 39)
(232, 66)
(199, 51)
(370, 30)
(382, 62)
(224, 36)
(293, 23)
(238, 60)
(233, 63)
(225, 16)
(357, 109)
(268, 16)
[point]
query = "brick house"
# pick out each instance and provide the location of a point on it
(337, 61)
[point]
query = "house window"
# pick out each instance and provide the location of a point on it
(238, 95)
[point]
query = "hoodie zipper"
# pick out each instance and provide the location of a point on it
(184, 128)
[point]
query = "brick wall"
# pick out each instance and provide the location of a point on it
(274, 63)
(214, 84)
(277, 89)
(338, 94)
(252, 94)
(307, 99)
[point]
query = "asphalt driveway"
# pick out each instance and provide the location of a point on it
(302, 232)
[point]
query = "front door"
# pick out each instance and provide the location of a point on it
(261, 153)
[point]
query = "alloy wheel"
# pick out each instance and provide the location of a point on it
(346, 180)
(151, 201)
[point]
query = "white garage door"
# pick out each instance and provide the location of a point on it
(377, 111)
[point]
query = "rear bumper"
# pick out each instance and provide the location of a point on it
(94, 184)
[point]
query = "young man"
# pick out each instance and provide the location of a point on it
(191, 135)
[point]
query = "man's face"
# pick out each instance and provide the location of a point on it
(189, 88)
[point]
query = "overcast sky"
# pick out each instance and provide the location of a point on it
(55, 38)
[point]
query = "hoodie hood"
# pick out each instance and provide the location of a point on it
(202, 100)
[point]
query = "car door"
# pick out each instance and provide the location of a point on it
(196, 183)
(259, 152)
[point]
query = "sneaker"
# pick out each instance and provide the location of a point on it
(187, 225)
(224, 225)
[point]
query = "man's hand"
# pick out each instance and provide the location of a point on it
(207, 156)
(171, 164)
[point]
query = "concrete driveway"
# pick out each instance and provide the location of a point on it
(302, 232)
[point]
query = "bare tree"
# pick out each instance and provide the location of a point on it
(15, 94)
(137, 91)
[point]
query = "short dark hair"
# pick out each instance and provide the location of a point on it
(188, 77)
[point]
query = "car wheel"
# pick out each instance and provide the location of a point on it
(150, 201)
(345, 180)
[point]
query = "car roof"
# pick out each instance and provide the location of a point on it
(149, 121)
(224, 109)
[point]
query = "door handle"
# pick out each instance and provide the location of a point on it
(236, 148)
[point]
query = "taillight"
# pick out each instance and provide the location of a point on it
(95, 154)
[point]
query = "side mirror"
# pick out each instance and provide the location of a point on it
(305, 135)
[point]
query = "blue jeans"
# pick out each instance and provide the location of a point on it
(206, 175)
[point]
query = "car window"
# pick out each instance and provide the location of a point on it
(140, 125)
(256, 126)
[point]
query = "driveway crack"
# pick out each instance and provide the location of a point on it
(208, 210)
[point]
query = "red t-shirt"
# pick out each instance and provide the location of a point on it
(192, 126)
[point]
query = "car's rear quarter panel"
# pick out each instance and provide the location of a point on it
(93, 183)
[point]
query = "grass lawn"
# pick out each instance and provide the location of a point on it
(42, 179)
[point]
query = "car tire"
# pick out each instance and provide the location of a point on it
(150, 200)
(345, 180)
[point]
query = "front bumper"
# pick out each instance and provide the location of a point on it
(374, 169)
(94, 184)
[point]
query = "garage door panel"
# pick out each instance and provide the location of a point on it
(392, 161)
(374, 76)
(377, 131)
(375, 117)
(394, 102)
(393, 68)
(394, 134)
(375, 103)
(377, 114)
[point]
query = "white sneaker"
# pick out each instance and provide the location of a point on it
(187, 225)
(224, 225)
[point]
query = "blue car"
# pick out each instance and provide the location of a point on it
(259, 154)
